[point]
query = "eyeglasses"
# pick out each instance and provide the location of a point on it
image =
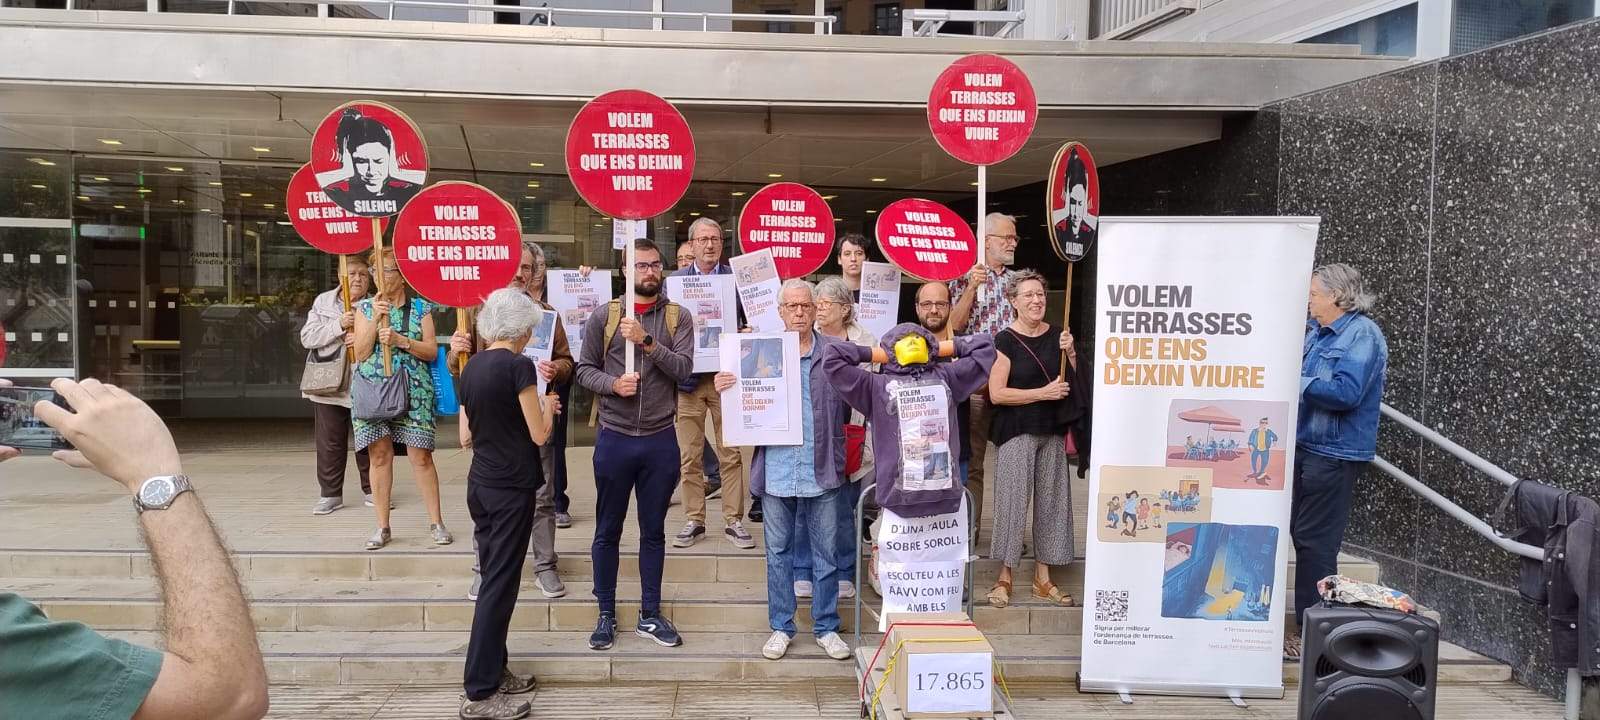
(797, 307)
(707, 239)
(1004, 238)
(388, 271)
(933, 305)
(1030, 295)
(826, 304)
(647, 266)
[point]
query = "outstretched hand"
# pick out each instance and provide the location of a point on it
(114, 432)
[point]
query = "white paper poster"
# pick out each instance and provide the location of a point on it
(541, 346)
(922, 562)
(924, 410)
(763, 408)
(626, 231)
(1197, 375)
(710, 299)
(575, 297)
(879, 308)
(756, 276)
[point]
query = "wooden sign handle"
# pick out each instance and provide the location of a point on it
(377, 277)
(461, 324)
(1066, 318)
(344, 294)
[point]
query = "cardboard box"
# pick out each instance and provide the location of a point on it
(941, 671)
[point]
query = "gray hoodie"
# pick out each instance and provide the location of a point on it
(654, 407)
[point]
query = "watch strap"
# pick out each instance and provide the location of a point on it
(180, 485)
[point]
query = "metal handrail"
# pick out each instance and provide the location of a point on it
(932, 19)
(549, 13)
(1478, 525)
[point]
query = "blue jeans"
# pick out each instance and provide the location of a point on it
(1261, 456)
(784, 534)
(844, 559)
(964, 469)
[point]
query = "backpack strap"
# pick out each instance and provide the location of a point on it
(613, 319)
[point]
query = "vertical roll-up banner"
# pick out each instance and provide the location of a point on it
(1198, 328)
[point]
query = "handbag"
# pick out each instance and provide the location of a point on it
(325, 375)
(383, 398)
(855, 442)
(444, 386)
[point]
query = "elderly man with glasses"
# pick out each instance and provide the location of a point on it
(699, 408)
(980, 306)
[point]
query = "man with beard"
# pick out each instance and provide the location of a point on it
(933, 313)
(637, 447)
(984, 310)
(550, 510)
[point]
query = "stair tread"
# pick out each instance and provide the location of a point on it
(724, 645)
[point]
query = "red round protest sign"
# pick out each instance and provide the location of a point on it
(982, 109)
(369, 158)
(456, 242)
(794, 222)
(926, 240)
(630, 154)
(323, 224)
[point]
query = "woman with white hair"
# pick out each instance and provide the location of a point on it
(504, 421)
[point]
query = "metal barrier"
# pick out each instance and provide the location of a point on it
(1126, 19)
(931, 20)
(541, 15)
(1478, 525)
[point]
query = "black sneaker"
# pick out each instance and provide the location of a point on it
(755, 510)
(655, 627)
(605, 632)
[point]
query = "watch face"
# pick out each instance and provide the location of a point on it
(157, 492)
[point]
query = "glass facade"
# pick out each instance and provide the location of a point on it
(1392, 33)
(1481, 23)
(183, 281)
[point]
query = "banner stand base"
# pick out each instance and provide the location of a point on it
(1125, 690)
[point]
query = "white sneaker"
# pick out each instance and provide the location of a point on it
(776, 645)
(802, 588)
(847, 589)
(367, 501)
(834, 646)
(327, 505)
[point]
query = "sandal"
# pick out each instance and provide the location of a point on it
(1000, 594)
(1052, 594)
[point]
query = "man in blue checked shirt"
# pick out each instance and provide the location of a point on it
(1341, 384)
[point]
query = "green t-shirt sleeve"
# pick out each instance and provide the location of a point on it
(66, 670)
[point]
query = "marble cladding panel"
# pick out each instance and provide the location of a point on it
(1234, 175)
(1359, 156)
(1513, 352)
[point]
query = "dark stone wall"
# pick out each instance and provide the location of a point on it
(1467, 191)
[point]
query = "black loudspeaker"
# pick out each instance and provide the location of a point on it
(1365, 663)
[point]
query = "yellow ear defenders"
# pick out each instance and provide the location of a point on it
(911, 350)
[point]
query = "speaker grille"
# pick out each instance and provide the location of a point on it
(1417, 676)
(1324, 667)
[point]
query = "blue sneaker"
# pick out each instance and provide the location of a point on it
(605, 632)
(654, 627)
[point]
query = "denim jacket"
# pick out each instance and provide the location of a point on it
(1341, 384)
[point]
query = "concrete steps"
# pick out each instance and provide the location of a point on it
(407, 657)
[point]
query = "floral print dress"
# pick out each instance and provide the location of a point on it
(415, 428)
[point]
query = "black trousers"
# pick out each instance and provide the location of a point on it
(1319, 514)
(556, 449)
(330, 428)
(502, 520)
(648, 468)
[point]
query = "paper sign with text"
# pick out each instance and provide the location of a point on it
(763, 407)
(710, 298)
(456, 242)
(626, 231)
(948, 682)
(792, 221)
(576, 297)
(922, 562)
(756, 277)
(878, 310)
(630, 154)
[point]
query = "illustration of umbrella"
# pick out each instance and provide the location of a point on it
(1214, 418)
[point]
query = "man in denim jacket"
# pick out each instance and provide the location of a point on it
(1341, 385)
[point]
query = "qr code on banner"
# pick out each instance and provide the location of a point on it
(1111, 606)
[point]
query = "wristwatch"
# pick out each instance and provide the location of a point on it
(159, 492)
(648, 341)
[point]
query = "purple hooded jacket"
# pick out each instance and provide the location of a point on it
(828, 414)
(867, 392)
